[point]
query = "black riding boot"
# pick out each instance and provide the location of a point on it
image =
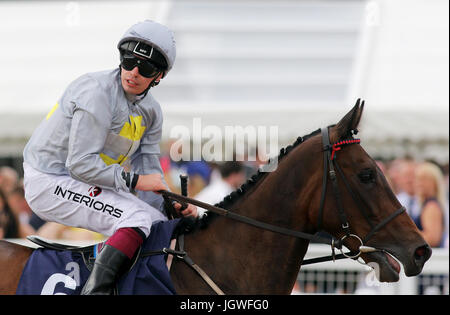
(104, 274)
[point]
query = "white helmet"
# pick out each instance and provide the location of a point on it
(155, 35)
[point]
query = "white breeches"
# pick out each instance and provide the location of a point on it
(62, 199)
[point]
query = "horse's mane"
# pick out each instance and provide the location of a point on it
(230, 199)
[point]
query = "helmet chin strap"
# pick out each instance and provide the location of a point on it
(152, 84)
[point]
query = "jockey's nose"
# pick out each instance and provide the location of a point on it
(135, 71)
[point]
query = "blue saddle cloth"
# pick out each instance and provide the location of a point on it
(64, 272)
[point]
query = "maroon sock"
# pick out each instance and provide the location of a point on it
(127, 240)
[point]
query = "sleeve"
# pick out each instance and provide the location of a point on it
(92, 116)
(146, 159)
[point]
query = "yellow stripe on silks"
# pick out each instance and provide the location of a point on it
(132, 130)
(50, 113)
(108, 160)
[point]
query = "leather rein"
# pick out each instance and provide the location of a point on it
(330, 164)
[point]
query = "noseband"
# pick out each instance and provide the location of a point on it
(330, 164)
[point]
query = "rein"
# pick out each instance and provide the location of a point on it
(330, 163)
(243, 219)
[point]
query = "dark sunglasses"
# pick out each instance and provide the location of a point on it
(146, 68)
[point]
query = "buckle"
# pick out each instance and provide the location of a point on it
(332, 174)
(177, 253)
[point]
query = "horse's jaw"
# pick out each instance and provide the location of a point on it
(386, 262)
(386, 267)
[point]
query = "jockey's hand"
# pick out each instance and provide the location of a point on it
(150, 182)
(190, 211)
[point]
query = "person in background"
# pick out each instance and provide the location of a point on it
(9, 179)
(447, 206)
(393, 172)
(253, 161)
(430, 192)
(199, 172)
(232, 177)
(10, 225)
(383, 168)
(406, 187)
(19, 205)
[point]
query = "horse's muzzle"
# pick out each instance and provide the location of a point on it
(421, 255)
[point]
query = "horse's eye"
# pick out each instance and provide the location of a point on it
(367, 176)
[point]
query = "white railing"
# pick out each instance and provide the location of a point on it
(350, 277)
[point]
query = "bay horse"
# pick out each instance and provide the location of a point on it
(307, 192)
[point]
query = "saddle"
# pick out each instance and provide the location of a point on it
(56, 268)
(89, 253)
(58, 246)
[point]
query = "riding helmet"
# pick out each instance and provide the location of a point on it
(151, 40)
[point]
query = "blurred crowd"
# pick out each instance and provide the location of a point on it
(422, 187)
(17, 220)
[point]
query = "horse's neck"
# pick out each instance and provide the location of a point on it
(245, 259)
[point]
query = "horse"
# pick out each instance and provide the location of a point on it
(308, 192)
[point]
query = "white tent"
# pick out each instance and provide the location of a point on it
(296, 65)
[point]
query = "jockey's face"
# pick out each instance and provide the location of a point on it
(133, 82)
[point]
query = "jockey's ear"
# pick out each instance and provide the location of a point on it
(349, 123)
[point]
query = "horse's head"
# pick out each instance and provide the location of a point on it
(360, 206)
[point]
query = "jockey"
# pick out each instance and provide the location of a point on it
(93, 162)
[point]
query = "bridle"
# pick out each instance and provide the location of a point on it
(329, 171)
(329, 167)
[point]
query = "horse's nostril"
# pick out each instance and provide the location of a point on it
(419, 252)
(422, 254)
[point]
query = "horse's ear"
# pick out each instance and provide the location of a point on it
(349, 124)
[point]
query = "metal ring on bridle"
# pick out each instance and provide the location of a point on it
(351, 256)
